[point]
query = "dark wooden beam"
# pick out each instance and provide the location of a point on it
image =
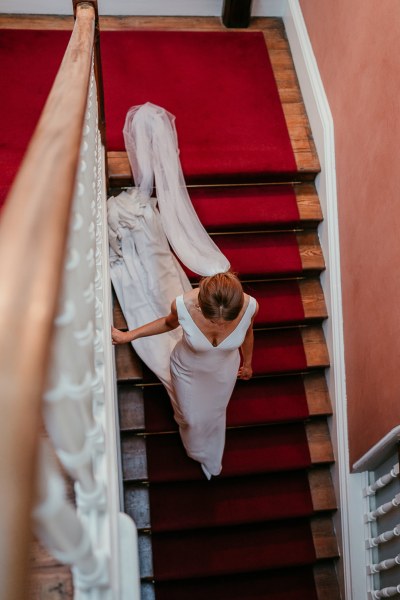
(236, 13)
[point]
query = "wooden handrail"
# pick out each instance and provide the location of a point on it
(33, 234)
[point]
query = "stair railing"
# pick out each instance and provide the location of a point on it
(381, 494)
(55, 316)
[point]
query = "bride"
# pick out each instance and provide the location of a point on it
(197, 358)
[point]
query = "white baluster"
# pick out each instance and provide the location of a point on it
(387, 592)
(382, 481)
(59, 527)
(384, 565)
(383, 509)
(386, 536)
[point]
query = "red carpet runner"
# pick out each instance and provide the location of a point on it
(245, 534)
(232, 537)
(29, 62)
(220, 87)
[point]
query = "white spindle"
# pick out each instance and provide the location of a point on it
(384, 565)
(387, 592)
(382, 481)
(383, 509)
(59, 527)
(386, 536)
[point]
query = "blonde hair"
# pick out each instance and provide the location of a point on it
(221, 296)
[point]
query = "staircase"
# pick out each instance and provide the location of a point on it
(262, 529)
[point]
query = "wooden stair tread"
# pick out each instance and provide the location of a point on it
(308, 202)
(310, 251)
(306, 195)
(50, 583)
(317, 394)
(135, 461)
(324, 537)
(131, 408)
(321, 487)
(129, 366)
(137, 500)
(315, 347)
(311, 292)
(282, 64)
(326, 581)
(322, 532)
(132, 413)
(319, 442)
(313, 300)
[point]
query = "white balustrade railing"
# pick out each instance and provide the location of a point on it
(79, 404)
(382, 562)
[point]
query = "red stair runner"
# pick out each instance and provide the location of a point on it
(220, 87)
(253, 402)
(275, 351)
(195, 504)
(298, 584)
(29, 62)
(247, 451)
(207, 552)
(279, 302)
(245, 207)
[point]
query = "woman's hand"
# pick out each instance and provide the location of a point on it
(120, 337)
(245, 372)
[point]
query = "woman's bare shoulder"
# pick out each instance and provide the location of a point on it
(190, 297)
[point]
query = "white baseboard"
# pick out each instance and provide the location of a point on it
(203, 8)
(348, 487)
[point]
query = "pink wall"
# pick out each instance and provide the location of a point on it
(357, 47)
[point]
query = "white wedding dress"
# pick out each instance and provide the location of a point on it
(147, 277)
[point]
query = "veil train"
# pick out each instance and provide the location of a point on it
(145, 273)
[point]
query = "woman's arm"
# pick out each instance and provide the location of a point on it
(246, 371)
(161, 325)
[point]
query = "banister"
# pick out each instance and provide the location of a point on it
(33, 233)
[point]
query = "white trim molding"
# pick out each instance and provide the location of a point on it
(379, 452)
(349, 523)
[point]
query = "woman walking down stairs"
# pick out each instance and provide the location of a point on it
(263, 528)
(267, 519)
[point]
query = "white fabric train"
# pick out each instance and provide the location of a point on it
(146, 275)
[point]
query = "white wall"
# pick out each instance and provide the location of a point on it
(260, 8)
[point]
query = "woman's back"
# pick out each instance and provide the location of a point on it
(203, 377)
